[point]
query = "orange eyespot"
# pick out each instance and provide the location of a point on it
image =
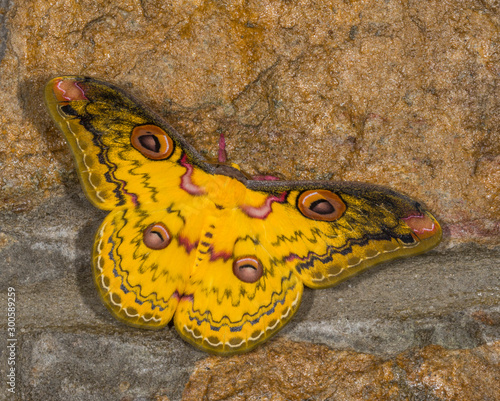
(248, 269)
(321, 204)
(152, 142)
(156, 236)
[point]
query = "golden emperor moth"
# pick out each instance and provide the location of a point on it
(226, 256)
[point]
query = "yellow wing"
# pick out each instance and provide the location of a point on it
(247, 278)
(327, 232)
(236, 297)
(141, 265)
(125, 155)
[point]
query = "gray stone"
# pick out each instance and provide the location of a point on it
(69, 346)
(4, 7)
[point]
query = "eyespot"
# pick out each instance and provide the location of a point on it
(156, 236)
(321, 204)
(248, 269)
(152, 142)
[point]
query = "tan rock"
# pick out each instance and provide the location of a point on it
(285, 370)
(397, 93)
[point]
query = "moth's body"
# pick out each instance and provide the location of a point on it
(225, 256)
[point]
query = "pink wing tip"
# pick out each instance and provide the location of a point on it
(67, 90)
(422, 225)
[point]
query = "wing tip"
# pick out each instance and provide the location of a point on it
(424, 226)
(65, 89)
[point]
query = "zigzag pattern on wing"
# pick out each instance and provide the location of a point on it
(119, 272)
(311, 258)
(253, 318)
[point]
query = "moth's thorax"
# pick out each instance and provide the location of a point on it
(224, 191)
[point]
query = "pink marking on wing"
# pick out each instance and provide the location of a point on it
(133, 196)
(186, 183)
(70, 90)
(188, 297)
(422, 225)
(265, 178)
(222, 149)
(292, 257)
(176, 295)
(188, 245)
(263, 211)
(219, 255)
(134, 199)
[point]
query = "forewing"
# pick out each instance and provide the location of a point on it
(327, 232)
(125, 156)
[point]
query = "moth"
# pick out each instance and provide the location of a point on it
(223, 255)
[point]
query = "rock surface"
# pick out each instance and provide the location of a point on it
(400, 93)
(431, 373)
(383, 330)
(397, 93)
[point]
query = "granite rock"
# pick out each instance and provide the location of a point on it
(298, 371)
(399, 93)
(398, 314)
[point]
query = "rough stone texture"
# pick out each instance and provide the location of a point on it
(431, 373)
(399, 313)
(401, 93)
